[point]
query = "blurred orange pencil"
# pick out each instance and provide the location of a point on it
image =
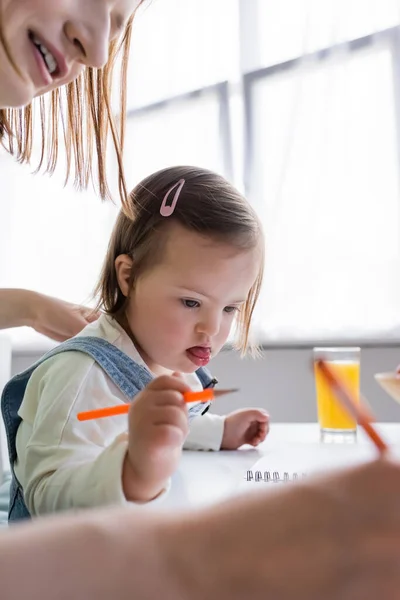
(122, 409)
(357, 409)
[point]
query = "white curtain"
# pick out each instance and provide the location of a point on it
(182, 45)
(324, 171)
(185, 132)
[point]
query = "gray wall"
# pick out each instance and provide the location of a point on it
(282, 381)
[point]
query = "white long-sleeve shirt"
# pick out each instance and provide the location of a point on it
(64, 463)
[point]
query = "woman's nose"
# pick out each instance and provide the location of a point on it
(90, 41)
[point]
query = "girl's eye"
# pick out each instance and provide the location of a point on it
(231, 309)
(191, 303)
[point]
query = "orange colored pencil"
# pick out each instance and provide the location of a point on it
(357, 410)
(122, 409)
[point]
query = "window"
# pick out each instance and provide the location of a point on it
(189, 129)
(322, 168)
(297, 102)
(315, 87)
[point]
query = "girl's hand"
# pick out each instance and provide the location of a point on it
(158, 426)
(246, 426)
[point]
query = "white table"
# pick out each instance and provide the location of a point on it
(207, 477)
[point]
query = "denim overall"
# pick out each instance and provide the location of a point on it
(129, 376)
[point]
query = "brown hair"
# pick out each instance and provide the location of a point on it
(208, 204)
(88, 120)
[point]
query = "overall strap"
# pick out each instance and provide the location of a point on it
(127, 375)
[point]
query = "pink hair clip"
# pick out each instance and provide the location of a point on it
(167, 210)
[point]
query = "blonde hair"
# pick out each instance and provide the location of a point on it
(89, 120)
(208, 204)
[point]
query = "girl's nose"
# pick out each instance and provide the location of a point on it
(209, 326)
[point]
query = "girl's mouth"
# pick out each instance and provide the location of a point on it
(199, 355)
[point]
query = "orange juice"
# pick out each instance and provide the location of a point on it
(331, 415)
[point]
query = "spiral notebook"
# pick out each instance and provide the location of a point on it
(293, 463)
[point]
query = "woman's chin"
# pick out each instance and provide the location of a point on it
(17, 96)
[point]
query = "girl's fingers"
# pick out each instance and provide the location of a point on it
(169, 382)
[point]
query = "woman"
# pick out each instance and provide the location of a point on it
(69, 48)
(332, 539)
(336, 539)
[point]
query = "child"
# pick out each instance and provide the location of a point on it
(178, 274)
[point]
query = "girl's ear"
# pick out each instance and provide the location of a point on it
(123, 268)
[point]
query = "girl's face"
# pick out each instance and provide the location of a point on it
(51, 41)
(181, 311)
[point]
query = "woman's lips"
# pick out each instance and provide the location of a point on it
(46, 78)
(199, 355)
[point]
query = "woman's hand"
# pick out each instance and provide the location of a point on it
(331, 538)
(54, 318)
(58, 319)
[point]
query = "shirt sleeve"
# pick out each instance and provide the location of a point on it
(64, 463)
(205, 433)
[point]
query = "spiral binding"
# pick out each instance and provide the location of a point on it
(273, 476)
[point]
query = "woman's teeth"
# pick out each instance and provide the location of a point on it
(49, 59)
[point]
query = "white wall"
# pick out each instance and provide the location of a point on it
(282, 381)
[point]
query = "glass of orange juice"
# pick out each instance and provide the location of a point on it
(335, 423)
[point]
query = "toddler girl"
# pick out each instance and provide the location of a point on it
(180, 270)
